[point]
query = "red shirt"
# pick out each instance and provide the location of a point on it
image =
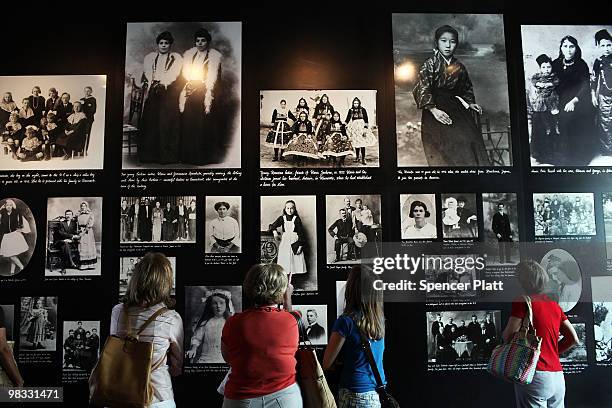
(547, 318)
(260, 347)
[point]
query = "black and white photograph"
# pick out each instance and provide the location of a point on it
(289, 237)
(315, 320)
(340, 295)
(17, 236)
(182, 94)
(607, 215)
(52, 122)
(223, 225)
(318, 128)
(126, 270)
(81, 345)
(578, 353)
(569, 103)
(459, 216)
(501, 233)
(451, 103)
(38, 326)
(158, 219)
(564, 214)
(7, 320)
(602, 319)
(446, 269)
(74, 236)
(352, 221)
(462, 336)
(206, 310)
(418, 216)
(564, 278)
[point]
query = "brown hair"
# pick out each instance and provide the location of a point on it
(363, 303)
(532, 276)
(151, 282)
(265, 284)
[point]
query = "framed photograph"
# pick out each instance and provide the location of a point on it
(318, 128)
(17, 236)
(126, 269)
(74, 236)
(564, 278)
(568, 103)
(500, 220)
(38, 325)
(564, 214)
(7, 320)
(578, 353)
(459, 217)
(418, 216)
(223, 225)
(451, 104)
(182, 93)
(315, 320)
(81, 345)
(52, 122)
(340, 294)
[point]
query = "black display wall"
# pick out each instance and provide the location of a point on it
(289, 47)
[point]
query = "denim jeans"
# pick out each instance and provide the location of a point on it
(547, 390)
(163, 404)
(350, 399)
(289, 397)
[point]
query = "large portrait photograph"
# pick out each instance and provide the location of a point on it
(569, 97)
(182, 93)
(318, 128)
(52, 122)
(418, 216)
(451, 103)
(223, 225)
(564, 214)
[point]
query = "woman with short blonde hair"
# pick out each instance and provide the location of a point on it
(148, 292)
(260, 344)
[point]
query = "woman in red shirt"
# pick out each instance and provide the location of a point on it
(260, 344)
(548, 386)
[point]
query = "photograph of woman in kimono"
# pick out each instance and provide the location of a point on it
(445, 94)
(158, 140)
(88, 254)
(199, 102)
(73, 139)
(13, 226)
(302, 145)
(292, 240)
(337, 143)
(158, 216)
(205, 344)
(124, 227)
(322, 114)
(281, 132)
(37, 319)
(357, 128)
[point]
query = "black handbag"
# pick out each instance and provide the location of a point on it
(295, 246)
(386, 399)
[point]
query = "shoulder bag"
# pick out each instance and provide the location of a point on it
(516, 360)
(386, 399)
(5, 381)
(122, 375)
(313, 385)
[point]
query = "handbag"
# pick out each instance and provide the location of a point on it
(122, 375)
(516, 360)
(5, 381)
(386, 399)
(313, 385)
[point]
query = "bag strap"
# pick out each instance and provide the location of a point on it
(365, 344)
(130, 332)
(527, 323)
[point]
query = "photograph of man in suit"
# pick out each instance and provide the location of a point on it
(314, 331)
(67, 235)
(473, 330)
(503, 232)
(342, 231)
(450, 329)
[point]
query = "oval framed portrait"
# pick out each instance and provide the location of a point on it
(17, 236)
(564, 278)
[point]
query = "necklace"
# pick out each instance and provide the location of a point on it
(603, 80)
(34, 102)
(567, 64)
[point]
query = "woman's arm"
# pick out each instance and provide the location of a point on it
(336, 341)
(513, 325)
(175, 353)
(277, 223)
(7, 361)
(570, 337)
(422, 92)
(365, 116)
(287, 304)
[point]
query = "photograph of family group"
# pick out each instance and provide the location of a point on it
(451, 90)
(52, 122)
(81, 345)
(318, 128)
(182, 95)
(568, 89)
(126, 270)
(564, 214)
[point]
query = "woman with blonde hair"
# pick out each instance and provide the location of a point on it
(363, 314)
(9, 372)
(148, 293)
(260, 344)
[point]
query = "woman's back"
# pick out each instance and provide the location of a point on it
(547, 318)
(166, 334)
(260, 347)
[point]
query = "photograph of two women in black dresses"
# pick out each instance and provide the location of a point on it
(182, 95)
(568, 81)
(451, 104)
(52, 122)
